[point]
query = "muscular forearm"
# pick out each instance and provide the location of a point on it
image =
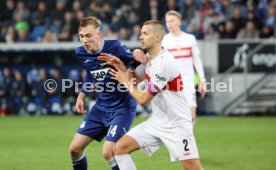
(138, 95)
(81, 96)
(135, 78)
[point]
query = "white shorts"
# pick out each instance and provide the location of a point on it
(180, 143)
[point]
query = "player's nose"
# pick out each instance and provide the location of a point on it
(84, 39)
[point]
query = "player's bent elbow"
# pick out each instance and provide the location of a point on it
(143, 102)
(144, 98)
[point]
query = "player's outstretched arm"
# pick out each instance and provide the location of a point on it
(112, 61)
(142, 97)
(118, 65)
(126, 77)
(197, 62)
(140, 56)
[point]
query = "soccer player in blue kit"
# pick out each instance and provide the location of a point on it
(114, 111)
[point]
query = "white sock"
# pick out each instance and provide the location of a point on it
(78, 158)
(125, 162)
(112, 162)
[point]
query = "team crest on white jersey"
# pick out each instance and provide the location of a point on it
(99, 75)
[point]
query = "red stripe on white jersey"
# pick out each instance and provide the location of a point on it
(183, 56)
(176, 84)
(181, 52)
(147, 77)
(178, 49)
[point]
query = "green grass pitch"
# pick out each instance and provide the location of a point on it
(225, 143)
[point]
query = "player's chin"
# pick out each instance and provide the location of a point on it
(87, 47)
(171, 29)
(91, 49)
(144, 47)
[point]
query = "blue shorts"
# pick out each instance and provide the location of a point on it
(98, 124)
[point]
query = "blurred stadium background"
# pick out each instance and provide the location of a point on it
(237, 40)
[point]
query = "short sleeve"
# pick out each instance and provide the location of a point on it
(126, 56)
(140, 71)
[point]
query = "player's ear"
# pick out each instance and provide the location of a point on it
(100, 34)
(158, 38)
(179, 23)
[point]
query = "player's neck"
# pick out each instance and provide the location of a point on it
(176, 32)
(100, 42)
(154, 52)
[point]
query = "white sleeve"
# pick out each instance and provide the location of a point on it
(197, 60)
(140, 71)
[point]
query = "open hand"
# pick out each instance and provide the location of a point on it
(202, 89)
(112, 61)
(120, 75)
(80, 106)
(140, 56)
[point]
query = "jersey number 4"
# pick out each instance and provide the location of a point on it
(112, 130)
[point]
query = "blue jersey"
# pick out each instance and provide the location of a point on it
(109, 97)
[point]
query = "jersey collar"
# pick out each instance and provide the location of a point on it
(97, 52)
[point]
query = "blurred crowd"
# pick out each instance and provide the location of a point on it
(22, 93)
(28, 92)
(57, 20)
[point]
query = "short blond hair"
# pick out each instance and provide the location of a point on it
(174, 13)
(90, 21)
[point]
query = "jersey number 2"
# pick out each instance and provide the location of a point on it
(185, 141)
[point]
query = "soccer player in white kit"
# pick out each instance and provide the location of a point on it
(171, 122)
(183, 47)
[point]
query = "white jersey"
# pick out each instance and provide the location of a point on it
(169, 106)
(185, 50)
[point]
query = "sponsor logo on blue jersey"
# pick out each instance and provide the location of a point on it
(99, 75)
